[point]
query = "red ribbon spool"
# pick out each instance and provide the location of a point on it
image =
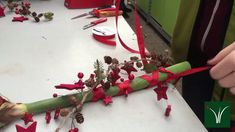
(104, 35)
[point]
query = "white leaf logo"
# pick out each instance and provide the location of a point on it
(218, 115)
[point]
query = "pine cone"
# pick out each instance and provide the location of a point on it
(108, 59)
(106, 85)
(79, 118)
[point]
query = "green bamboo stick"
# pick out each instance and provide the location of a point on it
(63, 101)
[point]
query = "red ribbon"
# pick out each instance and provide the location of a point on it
(116, 18)
(105, 39)
(125, 87)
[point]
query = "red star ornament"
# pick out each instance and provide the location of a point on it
(2, 14)
(107, 100)
(161, 92)
(19, 19)
(31, 128)
(27, 118)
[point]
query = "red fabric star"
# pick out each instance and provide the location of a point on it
(2, 12)
(161, 92)
(19, 19)
(27, 118)
(31, 128)
(107, 100)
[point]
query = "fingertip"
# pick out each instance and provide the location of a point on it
(211, 61)
(232, 90)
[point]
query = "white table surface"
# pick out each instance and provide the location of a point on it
(36, 56)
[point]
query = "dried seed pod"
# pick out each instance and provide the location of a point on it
(115, 61)
(72, 100)
(40, 15)
(106, 85)
(36, 19)
(9, 1)
(48, 15)
(134, 58)
(79, 108)
(108, 59)
(64, 112)
(90, 82)
(34, 14)
(139, 64)
(79, 118)
(148, 55)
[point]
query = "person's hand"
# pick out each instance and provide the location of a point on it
(224, 67)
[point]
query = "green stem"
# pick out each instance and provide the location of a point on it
(63, 101)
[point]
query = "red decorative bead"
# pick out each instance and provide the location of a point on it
(73, 130)
(131, 76)
(168, 110)
(2, 11)
(55, 95)
(48, 117)
(17, 11)
(80, 75)
(57, 113)
(126, 93)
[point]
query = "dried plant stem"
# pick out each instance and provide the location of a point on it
(74, 109)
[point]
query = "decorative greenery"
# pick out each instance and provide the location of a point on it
(23, 8)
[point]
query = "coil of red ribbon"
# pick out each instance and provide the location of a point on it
(104, 35)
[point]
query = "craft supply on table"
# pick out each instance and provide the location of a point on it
(78, 4)
(93, 23)
(106, 12)
(104, 35)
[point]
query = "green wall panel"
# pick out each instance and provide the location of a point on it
(165, 13)
(143, 4)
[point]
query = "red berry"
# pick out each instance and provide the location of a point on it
(75, 129)
(80, 75)
(55, 95)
